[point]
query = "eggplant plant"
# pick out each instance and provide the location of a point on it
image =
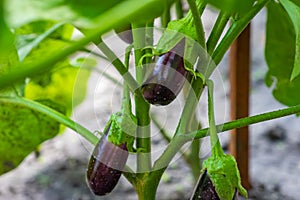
(38, 74)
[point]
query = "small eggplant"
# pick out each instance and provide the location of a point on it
(205, 190)
(167, 78)
(105, 166)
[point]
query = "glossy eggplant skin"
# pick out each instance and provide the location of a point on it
(167, 78)
(105, 166)
(205, 189)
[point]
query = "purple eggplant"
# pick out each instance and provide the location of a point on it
(105, 166)
(205, 190)
(167, 78)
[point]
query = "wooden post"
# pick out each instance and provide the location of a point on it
(239, 99)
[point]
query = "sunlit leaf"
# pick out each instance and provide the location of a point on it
(78, 12)
(294, 12)
(21, 131)
(30, 36)
(233, 6)
(59, 85)
(280, 55)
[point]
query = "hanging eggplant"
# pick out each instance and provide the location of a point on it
(167, 78)
(110, 155)
(205, 190)
(105, 166)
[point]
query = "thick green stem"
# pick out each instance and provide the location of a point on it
(143, 139)
(146, 186)
(54, 115)
(217, 31)
(214, 139)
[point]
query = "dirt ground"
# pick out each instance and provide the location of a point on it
(59, 173)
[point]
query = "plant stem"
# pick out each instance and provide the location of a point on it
(165, 18)
(121, 68)
(179, 9)
(216, 32)
(234, 31)
(54, 115)
(197, 21)
(190, 106)
(93, 53)
(181, 139)
(143, 139)
(214, 139)
(126, 102)
(146, 186)
(245, 121)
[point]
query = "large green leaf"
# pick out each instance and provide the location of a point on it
(280, 55)
(79, 12)
(293, 11)
(21, 131)
(232, 6)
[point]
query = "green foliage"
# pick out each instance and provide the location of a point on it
(233, 6)
(80, 13)
(30, 36)
(224, 174)
(121, 130)
(294, 13)
(59, 84)
(280, 53)
(22, 130)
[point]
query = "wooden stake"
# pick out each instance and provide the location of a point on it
(239, 99)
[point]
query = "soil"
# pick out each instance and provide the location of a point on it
(59, 172)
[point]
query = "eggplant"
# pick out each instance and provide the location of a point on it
(205, 190)
(167, 78)
(105, 166)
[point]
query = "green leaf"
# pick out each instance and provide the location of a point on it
(29, 38)
(59, 85)
(280, 55)
(77, 12)
(21, 131)
(294, 12)
(233, 6)
(224, 174)
(8, 53)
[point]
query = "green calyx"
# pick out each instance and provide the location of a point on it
(121, 130)
(224, 174)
